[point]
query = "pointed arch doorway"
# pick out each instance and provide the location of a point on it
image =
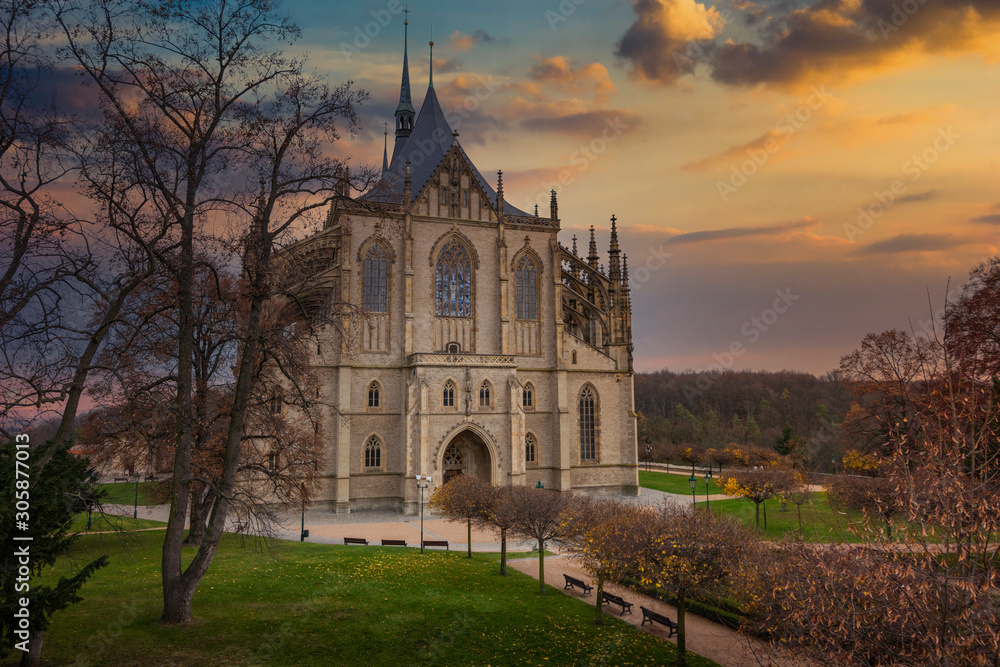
(467, 453)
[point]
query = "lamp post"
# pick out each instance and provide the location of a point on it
(708, 506)
(303, 534)
(539, 485)
(135, 509)
(422, 483)
(649, 453)
(693, 482)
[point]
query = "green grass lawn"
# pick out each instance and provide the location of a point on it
(332, 605)
(671, 483)
(821, 522)
(124, 494)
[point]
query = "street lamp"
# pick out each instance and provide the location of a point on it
(422, 483)
(649, 453)
(693, 482)
(135, 510)
(708, 505)
(304, 533)
(539, 485)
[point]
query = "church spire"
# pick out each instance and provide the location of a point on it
(614, 267)
(405, 112)
(592, 257)
(430, 83)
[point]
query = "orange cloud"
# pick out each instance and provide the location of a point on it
(557, 71)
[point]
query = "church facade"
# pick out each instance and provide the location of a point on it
(465, 338)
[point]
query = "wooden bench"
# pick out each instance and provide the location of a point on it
(614, 599)
(393, 543)
(437, 543)
(356, 540)
(573, 582)
(150, 478)
(121, 479)
(653, 617)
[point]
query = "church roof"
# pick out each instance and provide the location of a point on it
(426, 147)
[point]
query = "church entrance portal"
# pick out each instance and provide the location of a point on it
(466, 454)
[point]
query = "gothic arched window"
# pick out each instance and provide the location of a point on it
(448, 396)
(528, 397)
(375, 278)
(373, 453)
(526, 289)
(374, 395)
(453, 456)
(484, 395)
(588, 424)
(529, 448)
(453, 285)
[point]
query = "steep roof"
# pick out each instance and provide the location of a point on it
(431, 140)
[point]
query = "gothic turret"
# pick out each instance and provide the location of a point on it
(592, 256)
(405, 113)
(614, 265)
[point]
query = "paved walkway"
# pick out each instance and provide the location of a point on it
(712, 640)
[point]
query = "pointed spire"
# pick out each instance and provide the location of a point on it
(385, 150)
(554, 207)
(536, 210)
(592, 257)
(405, 112)
(430, 83)
(499, 193)
(575, 253)
(614, 267)
(625, 271)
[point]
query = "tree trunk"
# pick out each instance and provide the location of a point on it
(469, 525)
(33, 656)
(599, 602)
(765, 515)
(756, 517)
(681, 634)
(198, 515)
(541, 567)
(503, 552)
(798, 507)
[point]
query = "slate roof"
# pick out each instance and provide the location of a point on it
(428, 144)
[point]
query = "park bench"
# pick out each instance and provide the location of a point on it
(393, 543)
(356, 540)
(614, 599)
(437, 543)
(653, 617)
(121, 479)
(573, 582)
(150, 478)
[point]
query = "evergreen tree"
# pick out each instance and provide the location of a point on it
(48, 487)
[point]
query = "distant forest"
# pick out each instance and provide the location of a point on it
(791, 412)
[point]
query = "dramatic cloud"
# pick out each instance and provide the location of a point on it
(462, 42)
(836, 40)
(917, 196)
(662, 43)
(911, 243)
(612, 122)
(558, 73)
(992, 219)
(770, 142)
(740, 232)
(794, 46)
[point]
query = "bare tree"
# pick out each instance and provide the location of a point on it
(539, 515)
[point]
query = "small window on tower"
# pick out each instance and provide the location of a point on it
(484, 395)
(444, 196)
(528, 397)
(465, 197)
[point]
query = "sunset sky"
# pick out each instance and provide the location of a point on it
(818, 166)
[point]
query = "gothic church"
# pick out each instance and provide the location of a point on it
(476, 343)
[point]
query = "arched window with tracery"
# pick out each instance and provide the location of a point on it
(376, 268)
(374, 396)
(373, 453)
(484, 395)
(528, 397)
(453, 456)
(529, 449)
(526, 273)
(448, 395)
(453, 286)
(588, 424)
